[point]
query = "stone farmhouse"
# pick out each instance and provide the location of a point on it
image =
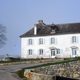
(51, 40)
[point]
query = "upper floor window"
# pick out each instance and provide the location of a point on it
(74, 40)
(30, 51)
(30, 41)
(52, 40)
(40, 51)
(41, 41)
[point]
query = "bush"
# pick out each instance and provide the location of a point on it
(20, 73)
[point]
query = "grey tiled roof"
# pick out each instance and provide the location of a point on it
(58, 29)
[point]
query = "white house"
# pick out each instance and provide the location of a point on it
(50, 41)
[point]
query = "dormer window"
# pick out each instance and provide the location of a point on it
(53, 31)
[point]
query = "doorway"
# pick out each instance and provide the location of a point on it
(53, 52)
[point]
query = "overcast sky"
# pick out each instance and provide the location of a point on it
(20, 15)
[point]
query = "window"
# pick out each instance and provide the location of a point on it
(53, 31)
(74, 51)
(41, 52)
(74, 39)
(30, 41)
(41, 41)
(58, 51)
(52, 40)
(30, 51)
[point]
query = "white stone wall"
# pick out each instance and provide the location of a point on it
(63, 42)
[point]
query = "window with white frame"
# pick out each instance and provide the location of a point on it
(58, 51)
(30, 42)
(74, 39)
(41, 41)
(40, 51)
(30, 51)
(52, 40)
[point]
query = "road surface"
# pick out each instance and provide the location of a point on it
(7, 72)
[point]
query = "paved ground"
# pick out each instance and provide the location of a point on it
(7, 72)
(4, 75)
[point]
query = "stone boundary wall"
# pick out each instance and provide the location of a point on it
(70, 70)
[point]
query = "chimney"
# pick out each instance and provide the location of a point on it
(40, 21)
(35, 29)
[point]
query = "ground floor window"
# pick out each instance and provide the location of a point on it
(58, 51)
(40, 51)
(30, 51)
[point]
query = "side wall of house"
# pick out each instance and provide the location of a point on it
(62, 42)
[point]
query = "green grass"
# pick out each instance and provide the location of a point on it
(21, 60)
(20, 73)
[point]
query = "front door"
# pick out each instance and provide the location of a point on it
(53, 52)
(74, 52)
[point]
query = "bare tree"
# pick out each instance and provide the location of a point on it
(2, 35)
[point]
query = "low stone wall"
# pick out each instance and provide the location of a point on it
(35, 61)
(71, 70)
(37, 76)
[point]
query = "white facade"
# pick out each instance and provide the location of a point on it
(62, 46)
